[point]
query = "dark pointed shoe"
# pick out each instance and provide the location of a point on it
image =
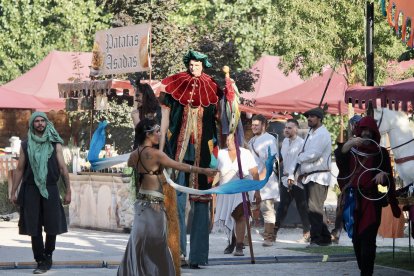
(194, 266)
(230, 248)
(41, 268)
(48, 261)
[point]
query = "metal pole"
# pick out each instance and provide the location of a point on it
(326, 87)
(369, 47)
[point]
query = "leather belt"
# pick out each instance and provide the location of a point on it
(309, 173)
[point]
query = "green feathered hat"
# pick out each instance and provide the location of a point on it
(194, 55)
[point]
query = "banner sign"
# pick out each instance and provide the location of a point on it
(121, 50)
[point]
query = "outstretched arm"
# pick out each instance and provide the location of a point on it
(170, 163)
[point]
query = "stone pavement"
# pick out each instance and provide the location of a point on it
(88, 252)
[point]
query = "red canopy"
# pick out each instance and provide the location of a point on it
(308, 95)
(398, 96)
(11, 99)
(266, 113)
(271, 79)
(42, 80)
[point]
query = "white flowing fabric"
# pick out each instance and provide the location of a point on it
(225, 204)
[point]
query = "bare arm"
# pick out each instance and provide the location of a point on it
(17, 176)
(262, 174)
(170, 163)
(64, 173)
(135, 117)
(165, 123)
(254, 172)
(356, 141)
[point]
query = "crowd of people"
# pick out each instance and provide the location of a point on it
(181, 133)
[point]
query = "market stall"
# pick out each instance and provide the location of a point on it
(102, 199)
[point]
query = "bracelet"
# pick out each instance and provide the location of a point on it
(191, 169)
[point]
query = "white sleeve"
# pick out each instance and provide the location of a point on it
(249, 160)
(315, 148)
(292, 166)
(283, 150)
(273, 147)
(264, 150)
(220, 159)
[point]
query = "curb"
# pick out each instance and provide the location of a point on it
(56, 264)
(212, 262)
(283, 259)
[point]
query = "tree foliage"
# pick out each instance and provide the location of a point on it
(307, 36)
(120, 128)
(30, 29)
(170, 40)
(247, 23)
(333, 33)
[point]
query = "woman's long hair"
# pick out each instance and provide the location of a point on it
(150, 103)
(143, 127)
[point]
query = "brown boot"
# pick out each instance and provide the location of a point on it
(268, 234)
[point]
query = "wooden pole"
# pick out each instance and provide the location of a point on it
(246, 212)
(91, 118)
(245, 206)
(150, 53)
(341, 124)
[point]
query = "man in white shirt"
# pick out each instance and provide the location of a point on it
(314, 173)
(259, 146)
(291, 146)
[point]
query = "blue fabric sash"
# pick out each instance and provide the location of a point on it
(232, 187)
(348, 212)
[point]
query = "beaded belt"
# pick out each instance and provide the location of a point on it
(150, 198)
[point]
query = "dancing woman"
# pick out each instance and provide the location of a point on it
(147, 252)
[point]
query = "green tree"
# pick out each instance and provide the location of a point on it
(323, 32)
(246, 23)
(308, 36)
(120, 128)
(30, 29)
(170, 40)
